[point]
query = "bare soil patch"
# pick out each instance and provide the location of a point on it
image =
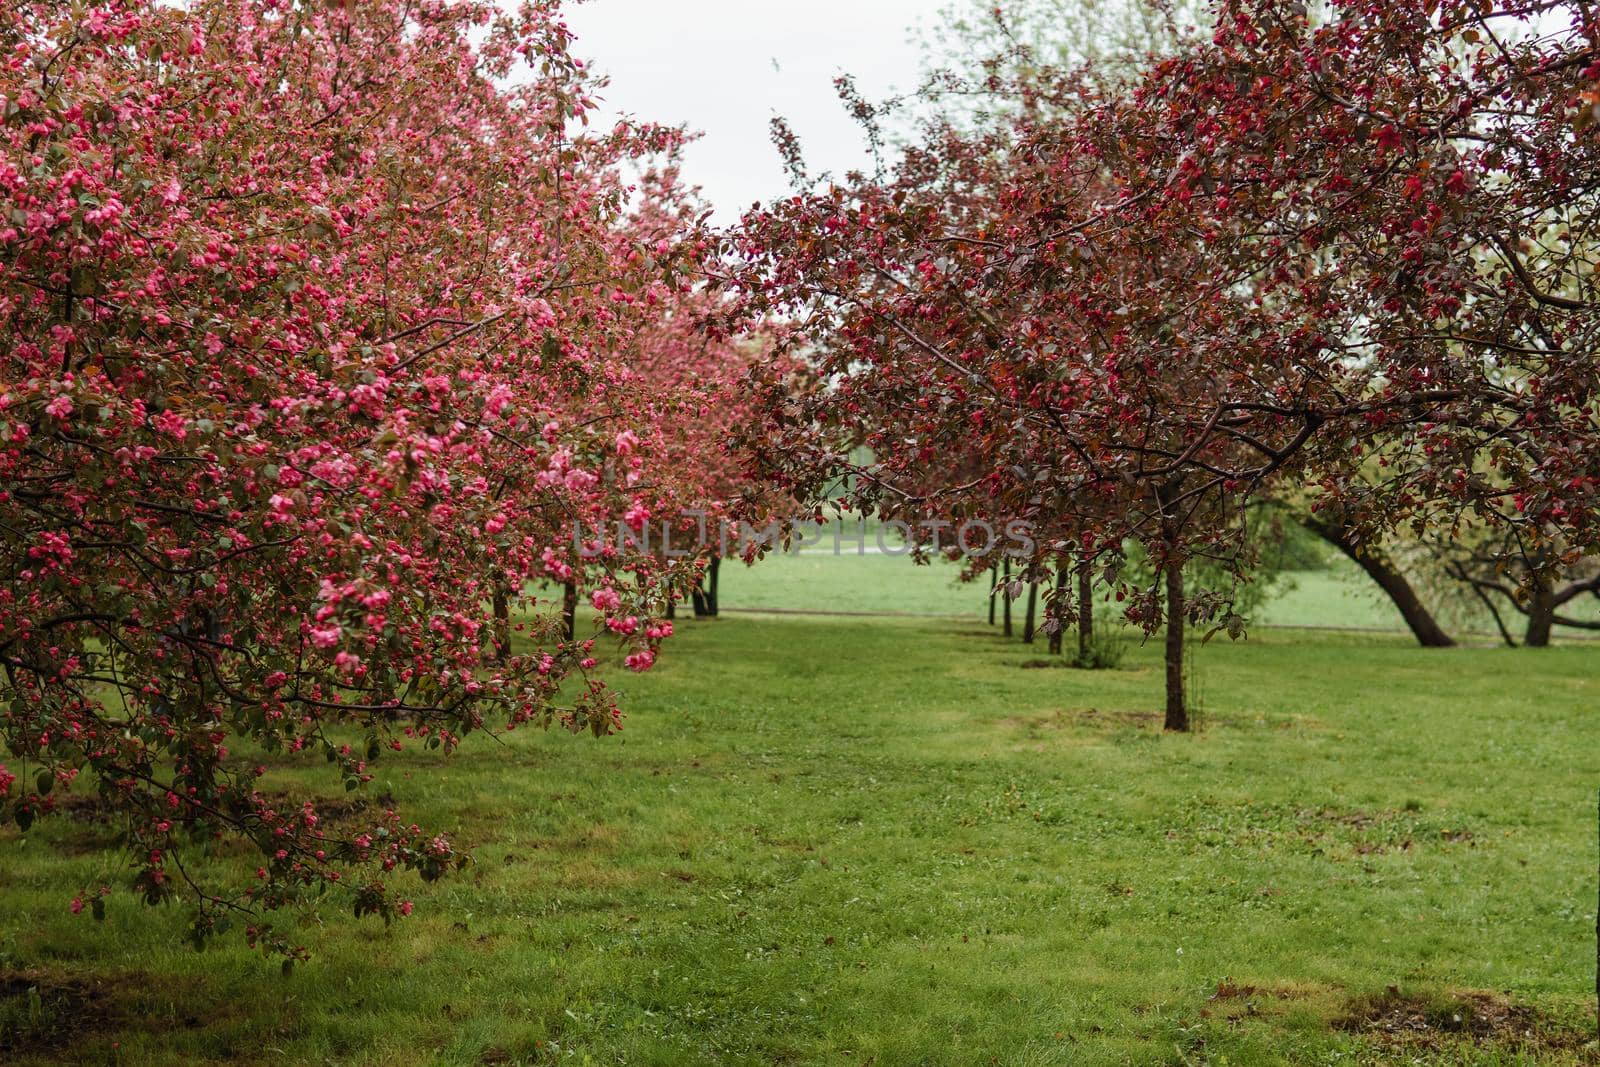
(42, 1015)
(1415, 1023)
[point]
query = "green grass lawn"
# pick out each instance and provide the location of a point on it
(1340, 596)
(876, 584)
(884, 841)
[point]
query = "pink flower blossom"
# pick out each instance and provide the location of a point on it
(171, 423)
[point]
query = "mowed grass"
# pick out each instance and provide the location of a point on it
(1340, 596)
(877, 583)
(886, 841)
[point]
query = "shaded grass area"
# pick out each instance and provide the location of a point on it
(851, 841)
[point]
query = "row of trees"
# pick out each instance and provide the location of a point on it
(1341, 257)
(332, 328)
(327, 325)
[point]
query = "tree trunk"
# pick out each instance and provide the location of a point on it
(1541, 616)
(1424, 627)
(1177, 710)
(502, 623)
(994, 586)
(1085, 614)
(672, 606)
(1057, 632)
(700, 597)
(569, 610)
(1005, 596)
(1028, 630)
(711, 590)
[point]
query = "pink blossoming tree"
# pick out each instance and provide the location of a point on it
(311, 312)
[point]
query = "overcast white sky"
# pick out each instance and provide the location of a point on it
(710, 64)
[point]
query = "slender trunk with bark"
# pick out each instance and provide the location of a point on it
(1541, 616)
(1005, 595)
(700, 597)
(502, 624)
(1424, 627)
(1085, 614)
(1057, 631)
(711, 589)
(1177, 709)
(1028, 629)
(569, 610)
(994, 586)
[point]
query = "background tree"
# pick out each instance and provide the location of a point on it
(1489, 567)
(986, 61)
(941, 339)
(1282, 251)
